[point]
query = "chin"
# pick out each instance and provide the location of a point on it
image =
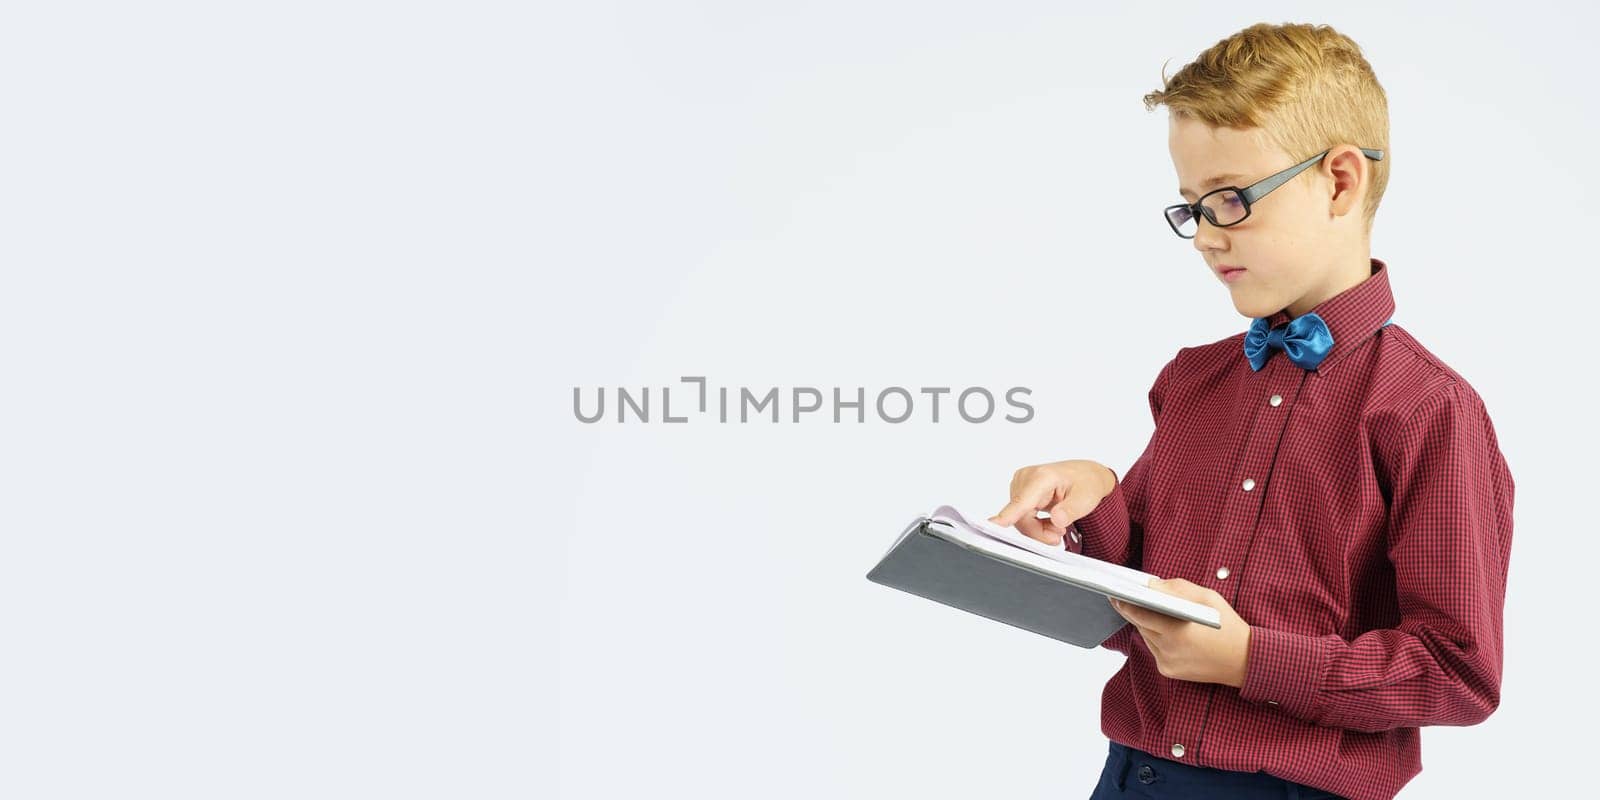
(1252, 307)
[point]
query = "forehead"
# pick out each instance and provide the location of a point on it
(1201, 152)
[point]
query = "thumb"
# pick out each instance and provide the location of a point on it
(1059, 518)
(1181, 588)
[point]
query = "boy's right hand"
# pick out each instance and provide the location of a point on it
(1066, 489)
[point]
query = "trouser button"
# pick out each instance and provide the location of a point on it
(1146, 774)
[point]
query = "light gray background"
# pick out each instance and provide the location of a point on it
(294, 504)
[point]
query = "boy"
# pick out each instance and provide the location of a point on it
(1323, 480)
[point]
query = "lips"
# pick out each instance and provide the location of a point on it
(1229, 273)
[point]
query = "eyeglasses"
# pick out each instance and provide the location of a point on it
(1230, 205)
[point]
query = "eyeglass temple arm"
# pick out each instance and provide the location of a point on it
(1254, 193)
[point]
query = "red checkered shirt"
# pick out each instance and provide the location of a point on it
(1357, 516)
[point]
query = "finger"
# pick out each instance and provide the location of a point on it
(1178, 587)
(1145, 618)
(1129, 611)
(1019, 508)
(1025, 500)
(1036, 528)
(1061, 516)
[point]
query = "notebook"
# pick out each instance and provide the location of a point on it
(1003, 574)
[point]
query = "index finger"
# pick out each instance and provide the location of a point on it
(1146, 618)
(1011, 513)
(1024, 501)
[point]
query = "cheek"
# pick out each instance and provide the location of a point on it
(1265, 278)
(1271, 289)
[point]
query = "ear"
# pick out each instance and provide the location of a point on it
(1348, 172)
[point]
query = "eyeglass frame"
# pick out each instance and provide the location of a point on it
(1251, 194)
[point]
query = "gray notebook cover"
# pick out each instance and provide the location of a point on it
(938, 569)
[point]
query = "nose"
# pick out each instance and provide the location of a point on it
(1207, 236)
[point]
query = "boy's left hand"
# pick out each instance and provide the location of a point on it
(1188, 650)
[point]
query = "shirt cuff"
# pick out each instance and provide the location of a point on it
(1074, 539)
(1104, 531)
(1285, 670)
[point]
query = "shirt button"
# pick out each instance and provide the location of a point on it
(1074, 533)
(1249, 483)
(1222, 572)
(1272, 702)
(1177, 750)
(1276, 400)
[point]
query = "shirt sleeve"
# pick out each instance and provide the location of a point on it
(1449, 541)
(1113, 531)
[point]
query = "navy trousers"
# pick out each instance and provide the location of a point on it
(1130, 772)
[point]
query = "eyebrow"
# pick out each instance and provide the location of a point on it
(1231, 176)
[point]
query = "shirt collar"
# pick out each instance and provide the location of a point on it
(1352, 315)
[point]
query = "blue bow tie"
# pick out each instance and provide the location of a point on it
(1305, 340)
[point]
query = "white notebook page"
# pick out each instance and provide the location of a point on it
(1013, 545)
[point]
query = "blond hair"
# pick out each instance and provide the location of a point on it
(1307, 87)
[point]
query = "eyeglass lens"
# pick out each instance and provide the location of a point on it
(1223, 208)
